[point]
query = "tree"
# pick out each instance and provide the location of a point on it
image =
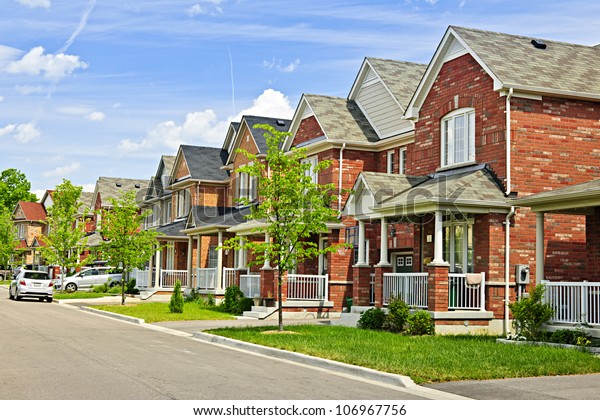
(8, 238)
(65, 238)
(292, 207)
(14, 187)
(127, 246)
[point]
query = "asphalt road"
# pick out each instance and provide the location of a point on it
(57, 352)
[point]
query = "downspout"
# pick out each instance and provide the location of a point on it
(340, 179)
(508, 216)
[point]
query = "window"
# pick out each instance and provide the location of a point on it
(167, 210)
(402, 161)
(246, 187)
(212, 257)
(458, 137)
(458, 244)
(183, 203)
(390, 162)
(314, 161)
(21, 231)
(352, 239)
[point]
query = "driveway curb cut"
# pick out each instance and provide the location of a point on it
(366, 373)
(113, 315)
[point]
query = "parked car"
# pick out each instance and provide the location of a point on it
(31, 283)
(89, 277)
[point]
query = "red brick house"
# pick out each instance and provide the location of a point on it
(29, 220)
(496, 118)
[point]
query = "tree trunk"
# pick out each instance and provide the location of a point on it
(123, 287)
(280, 299)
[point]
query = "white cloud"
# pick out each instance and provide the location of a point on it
(23, 133)
(89, 187)
(204, 127)
(29, 89)
(39, 193)
(52, 66)
(95, 116)
(1, 98)
(63, 170)
(212, 7)
(276, 65)
(35, 3)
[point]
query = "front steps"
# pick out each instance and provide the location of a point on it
(350, 319)
(259, 312)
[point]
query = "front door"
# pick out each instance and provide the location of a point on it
(403, 263)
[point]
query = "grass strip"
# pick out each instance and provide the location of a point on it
(425, 359)
(159, 312)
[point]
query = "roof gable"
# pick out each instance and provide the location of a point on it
(512, 61)
(203, 163)
(31, 212)
(113, 188)
(246, 127)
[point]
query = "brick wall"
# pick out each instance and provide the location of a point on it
(309, 129)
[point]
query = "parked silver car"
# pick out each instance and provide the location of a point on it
(30, 283)
(89, 277)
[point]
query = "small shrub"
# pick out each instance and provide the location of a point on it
(193, 296)
(529, 314)
(398, 313)
(176, 302)
(210, 300)
(246, 304)
(102, 288)
(233, 300)
(569, 337)
(114, 290)
(420, 323)
(130, 287)
(371, 319)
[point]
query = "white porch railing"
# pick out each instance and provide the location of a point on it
(207, 279)
(229, 276)
(465, 295)
(143, 278)
(307, 287)
(168, 278)
(250, 285)
(410, 287)
(574, 302)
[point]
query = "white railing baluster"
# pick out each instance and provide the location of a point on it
(574, 302)
(410, 287)
(308, 287)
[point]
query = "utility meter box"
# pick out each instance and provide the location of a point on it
(522, 273)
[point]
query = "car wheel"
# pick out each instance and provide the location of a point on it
(10, 295)
(71, 287)
(49, 300)
(41, 299)
(17, 294)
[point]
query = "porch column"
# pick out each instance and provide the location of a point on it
(190, 274)
(150, 269)
(220, 260)
(383, 247)
(361, 244)
(438, 250)
(158, 268)
(267, 264)
(241, 252)
(539, 247)
(199, 251)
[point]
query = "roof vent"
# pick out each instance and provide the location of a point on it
(280, 123)
(538, 43)
(119, 184)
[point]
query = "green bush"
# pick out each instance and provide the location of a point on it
(130, 287)
(529, 314)
(176, 302)
(568, 337)
(102, 288)
(420, 323)
(234, 301)
(398, 313)
(114, 290)
(371, 319)
(193, 296)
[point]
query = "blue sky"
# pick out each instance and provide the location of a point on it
(93, 88)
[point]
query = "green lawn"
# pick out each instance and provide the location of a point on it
(159, 311)
(5, 282)
(425, 359)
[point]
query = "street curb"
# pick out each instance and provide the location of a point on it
(113, 315)
(365, 373)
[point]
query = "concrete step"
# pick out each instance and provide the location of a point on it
(347, 319)
(259, 312)
(146, 294)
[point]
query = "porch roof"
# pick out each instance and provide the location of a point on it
(473, 189)
(572, 199)
(211, 219)
(172, 230)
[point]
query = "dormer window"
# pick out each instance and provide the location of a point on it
(458, 137)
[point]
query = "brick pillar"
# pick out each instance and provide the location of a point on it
(379, 272)
(437, 287)
(361, 289)
(238, 274)
(268, 284)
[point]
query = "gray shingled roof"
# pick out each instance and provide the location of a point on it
(258, 134)
(85, 202)
(467, 185)
(172, 229)
(401, 77)
(205, 162)
(590, 188)
(383, 185)
(155, 186)
(115, 187)
(341, 119)
(516, 62)
(217, 216)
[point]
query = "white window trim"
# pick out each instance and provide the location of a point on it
(468, 157)
(402, 161)
(314, 161)
(465, 243)
(390, 162)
